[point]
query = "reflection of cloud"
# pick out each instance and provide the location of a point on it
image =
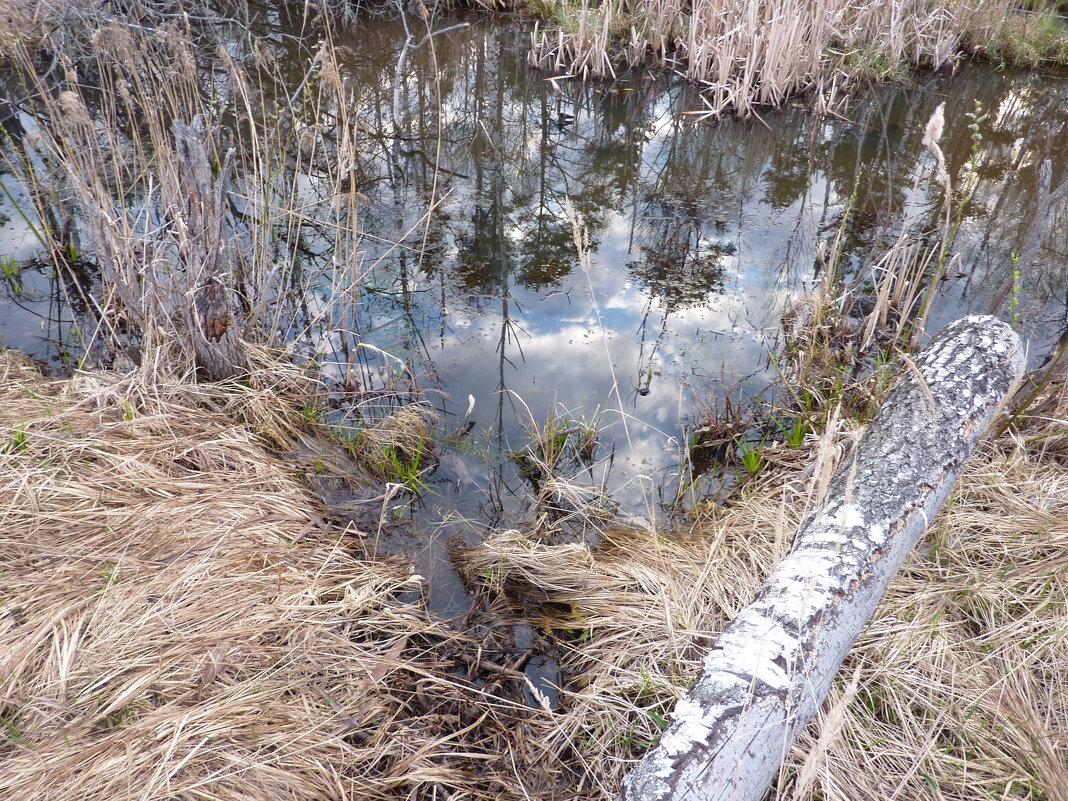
(560, 360)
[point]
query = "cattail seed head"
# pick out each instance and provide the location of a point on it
(935, 126)
(74, 111)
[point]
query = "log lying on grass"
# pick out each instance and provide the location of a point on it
(774, 664)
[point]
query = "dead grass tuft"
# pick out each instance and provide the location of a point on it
(398, 447)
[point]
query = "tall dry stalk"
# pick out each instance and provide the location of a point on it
(197, 249)
(747, 54)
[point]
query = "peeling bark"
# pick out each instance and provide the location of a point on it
(773, 665)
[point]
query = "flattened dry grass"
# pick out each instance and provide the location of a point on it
(958, 689)
(177, 621)
(959, 685)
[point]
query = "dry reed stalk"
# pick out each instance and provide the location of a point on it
(190, 260)
(824, 345)
(747, 54)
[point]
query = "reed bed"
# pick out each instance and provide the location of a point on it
(171, 161)
(751, 54)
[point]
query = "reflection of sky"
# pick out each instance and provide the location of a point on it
(583, 349)
(612, 343)
(31, 315)
(502, 311)
(601, 345)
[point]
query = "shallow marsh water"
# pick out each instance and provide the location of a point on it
(701, 234)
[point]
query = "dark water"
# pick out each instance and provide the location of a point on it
(700, 235)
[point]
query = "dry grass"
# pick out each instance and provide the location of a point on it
(747, 54)
(962, 672)
(399, 446)
(177, 620)
(630, 619)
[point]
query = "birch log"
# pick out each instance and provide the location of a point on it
(773, 665)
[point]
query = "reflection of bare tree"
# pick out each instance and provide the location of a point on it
(505, 148)
(53, 300)
(680, 266)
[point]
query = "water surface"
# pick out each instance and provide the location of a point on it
(700, 235)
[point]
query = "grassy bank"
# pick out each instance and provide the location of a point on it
(956, 689)
(752, 54)
(178, 620)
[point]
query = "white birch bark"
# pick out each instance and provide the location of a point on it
(774, 664)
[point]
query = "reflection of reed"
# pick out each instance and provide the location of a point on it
(747, 54)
